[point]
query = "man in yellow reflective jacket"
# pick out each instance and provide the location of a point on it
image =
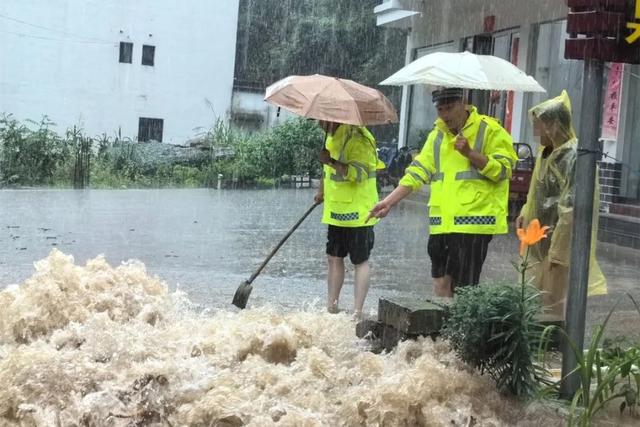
(467, 159)
(348, 189)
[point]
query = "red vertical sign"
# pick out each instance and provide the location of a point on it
(508, 115)
(611, 110)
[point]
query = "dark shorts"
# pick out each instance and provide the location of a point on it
(357, 242)
(459, 255)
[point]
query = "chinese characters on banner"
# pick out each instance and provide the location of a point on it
(611, 111)
(635, 26)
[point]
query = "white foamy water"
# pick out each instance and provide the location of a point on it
(103, 346)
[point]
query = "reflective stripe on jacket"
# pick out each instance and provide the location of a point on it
(464, 199)
(348, 199)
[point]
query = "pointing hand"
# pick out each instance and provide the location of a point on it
(380, 210)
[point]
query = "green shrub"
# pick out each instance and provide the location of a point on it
(493, 327)
(292, 148)
(185, 176)
(606, 373)
(29, 156)
(265, 183)
(40, 157)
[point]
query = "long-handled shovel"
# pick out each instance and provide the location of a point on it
(244, 290)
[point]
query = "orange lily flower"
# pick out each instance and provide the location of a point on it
(532, 235)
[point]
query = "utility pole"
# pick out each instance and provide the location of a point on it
(597, 30)
(585, 177)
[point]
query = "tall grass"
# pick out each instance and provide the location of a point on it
(32, 154)
(29, 155)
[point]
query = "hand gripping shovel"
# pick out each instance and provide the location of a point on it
(244, 290)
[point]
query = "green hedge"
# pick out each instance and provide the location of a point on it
(32, 154)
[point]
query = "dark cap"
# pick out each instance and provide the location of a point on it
(446, 95)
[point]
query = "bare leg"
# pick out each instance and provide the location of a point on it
(361, 287)
(442, 286)
(335, 279)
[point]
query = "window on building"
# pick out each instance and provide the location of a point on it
(126, 52)
(150, 129)
(148, 55)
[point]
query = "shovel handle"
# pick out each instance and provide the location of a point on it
(284, 239)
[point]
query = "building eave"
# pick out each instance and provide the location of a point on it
(397, 13)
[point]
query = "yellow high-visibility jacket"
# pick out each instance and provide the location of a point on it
(348, 199)
(464, 199)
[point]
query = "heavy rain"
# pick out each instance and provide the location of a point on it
(471, 174)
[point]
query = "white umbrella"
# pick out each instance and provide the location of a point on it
(464, 70)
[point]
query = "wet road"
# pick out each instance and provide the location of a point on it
(206, 242)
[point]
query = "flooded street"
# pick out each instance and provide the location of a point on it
(206, 242)
(131, 133)
(101, 346)
(95, 341)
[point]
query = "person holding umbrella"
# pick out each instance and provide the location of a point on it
(349, 157)
(467, 160)
(348, 190)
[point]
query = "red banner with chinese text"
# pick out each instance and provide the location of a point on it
(611, 110)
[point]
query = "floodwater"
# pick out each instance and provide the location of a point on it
(116, 311)
(206, 242)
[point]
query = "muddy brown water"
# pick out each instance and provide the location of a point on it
(107, 341)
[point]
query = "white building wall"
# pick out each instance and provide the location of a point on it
(61, 59)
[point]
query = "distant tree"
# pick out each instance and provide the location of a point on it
(277, 38)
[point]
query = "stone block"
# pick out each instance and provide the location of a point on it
(411, 316)
(391, 337)
(369, 328)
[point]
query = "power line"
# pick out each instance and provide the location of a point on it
(88, 39)
(631, 169)
(626, 165)
(32, 25)
(58, 40)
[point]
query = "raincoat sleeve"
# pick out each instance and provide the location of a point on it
(564, 171)
(422, 168)
(498, 147)
(361, 157)
(528, 211)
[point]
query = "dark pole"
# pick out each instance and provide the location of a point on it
(588, 147)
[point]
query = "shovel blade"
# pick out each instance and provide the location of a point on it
(241, 296)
